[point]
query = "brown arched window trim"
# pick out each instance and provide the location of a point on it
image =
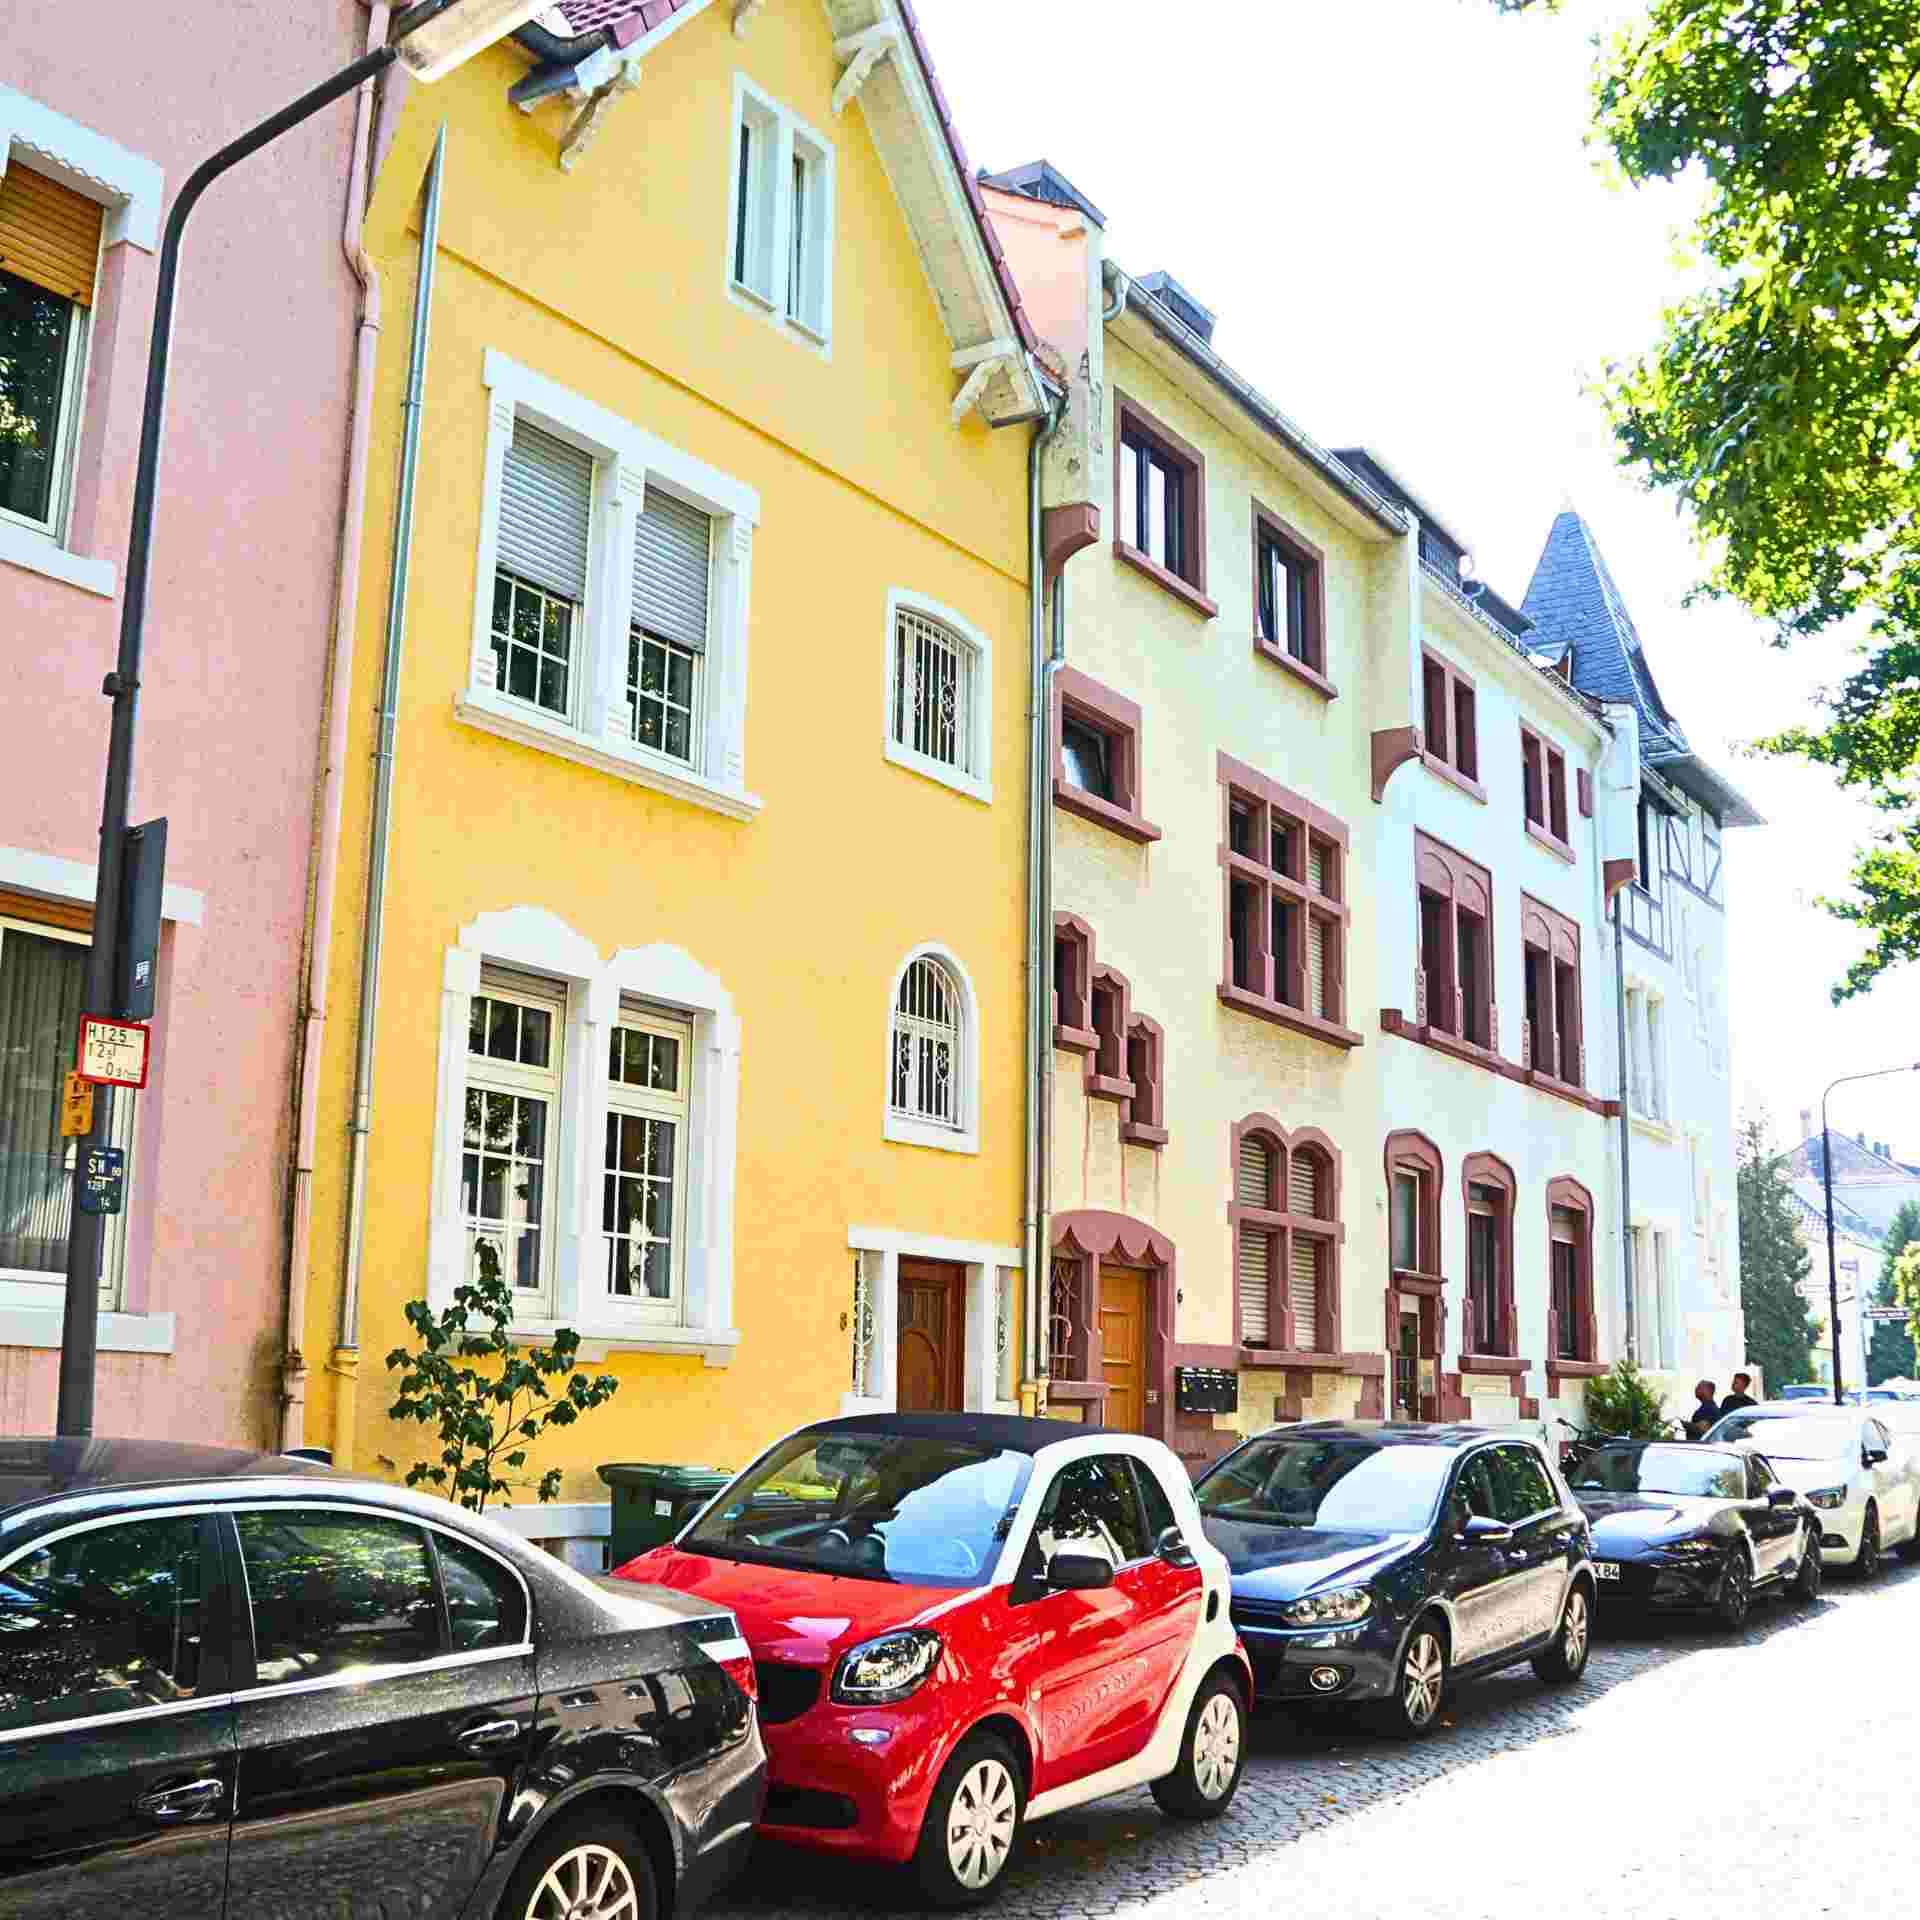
(1111, 1002)
(1145, 1124)
(1082, 1240)
(1283, 1227)
(1500, 1354)
(1573, 1353)
(1093, 1016)
(1411, 1152)
(1072, 984)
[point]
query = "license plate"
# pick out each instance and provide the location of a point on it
(1606, 1569)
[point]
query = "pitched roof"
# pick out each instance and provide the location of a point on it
(628, 18)
(1577, 610)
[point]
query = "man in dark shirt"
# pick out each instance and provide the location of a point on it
(1705, 1412)
(1739, 1397)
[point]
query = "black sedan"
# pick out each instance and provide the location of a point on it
(1695, 1529)
(229, 1681)
(1373, 1564)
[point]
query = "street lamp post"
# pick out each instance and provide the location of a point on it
(1833, 1258)
(432, 39)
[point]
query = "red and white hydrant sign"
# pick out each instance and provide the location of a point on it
(113, 1053)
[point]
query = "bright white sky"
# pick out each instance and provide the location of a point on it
(1391, 206)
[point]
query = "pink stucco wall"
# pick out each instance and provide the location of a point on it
(236, 662)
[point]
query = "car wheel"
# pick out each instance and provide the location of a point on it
(1807, 1577)
(1866, 1563)
(1566, 1660)
(1736, 1593)
(972, 1823)
(1420, 1683)
(1213, 1753)
(593, 1868)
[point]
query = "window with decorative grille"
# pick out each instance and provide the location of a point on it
(1063, 1320)
(934, 676)
(928, 1037)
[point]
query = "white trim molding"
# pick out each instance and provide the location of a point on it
(533, 940)
(115, 1332)
(62, 879)
(976, 779)
(770, 217)
(127, 184)
(901, 1128)
(40, 553)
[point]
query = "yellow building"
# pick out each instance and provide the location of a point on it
(700, 974)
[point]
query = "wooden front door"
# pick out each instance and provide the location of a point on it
(929, 1372)
(1123, 1347)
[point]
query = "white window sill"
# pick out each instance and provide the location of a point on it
(924, 1133)
(853, 1403)
(1654, 1129)
(981, 790)
(491, 713)
(117, 1332)
(714, 1345)
(805, 333)
(38, 553)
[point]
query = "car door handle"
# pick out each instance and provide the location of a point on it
(188, 1800)
(490, 1734)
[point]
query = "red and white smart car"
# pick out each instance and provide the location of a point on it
(962, 1622)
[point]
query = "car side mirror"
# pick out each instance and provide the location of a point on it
(1173, 1549)
(1485, 1531)
(1780, 1496)
(1872, 1456)
(1079, 1572)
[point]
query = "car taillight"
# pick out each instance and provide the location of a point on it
(740, 1672)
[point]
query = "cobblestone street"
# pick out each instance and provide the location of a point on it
(1771, 1774)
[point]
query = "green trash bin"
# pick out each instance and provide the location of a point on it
(652, 1501)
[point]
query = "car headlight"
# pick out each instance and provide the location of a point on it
(1692, 1549)
(888, 1668)
(1338, 1608)
(1829, 1497)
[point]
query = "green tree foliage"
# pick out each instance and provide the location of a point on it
(1906, 1288)
(1890, 1354)
(1781, 401)
(1621, 1402)
(1772, 1263)
(489, 1396)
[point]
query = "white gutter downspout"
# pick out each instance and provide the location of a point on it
(346, 1356)
(326, 850)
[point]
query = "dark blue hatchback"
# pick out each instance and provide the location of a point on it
(1373, 1563)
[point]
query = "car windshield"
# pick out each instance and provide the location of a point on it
(1686, 1470)
(870, 1506)
(1344, 1484)
(1792, 1436)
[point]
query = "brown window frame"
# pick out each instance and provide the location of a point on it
(1449, 695)
(1550, 941)
(1445, 878)
(1252, 878)
(1408, 1151)
(1187, 582)
(1093, 1016)
(1488, 1172)
(1566, 1194)
(1543, 791)
(1282, 1226)
(1117, 720)
(1144, 1124)
(1307, 664)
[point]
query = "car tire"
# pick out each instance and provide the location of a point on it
(597, 1858)
(1562, 1664)
(1419, 1682)
(972, 1823)
(1213, 1755)
(1867, 1562)
(1736, 1593)
(1809, 1575)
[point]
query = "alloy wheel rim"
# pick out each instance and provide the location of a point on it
(980, 1824)
(1574, 1644)
(1425, 1668)
(1810, 1568)
(1870, 1545)
(1738, 1590)
(1216, 1747)
(588, 1882)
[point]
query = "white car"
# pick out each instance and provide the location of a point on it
(1865, 1484)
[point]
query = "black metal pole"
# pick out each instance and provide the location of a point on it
(86, 1231)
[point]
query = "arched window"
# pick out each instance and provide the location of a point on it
(1570, 1245)
(931, 1055)
(1285, 1215)
(940, 678)
(1491, 1327)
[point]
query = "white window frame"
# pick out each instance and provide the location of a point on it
(65, 435)
(975, 780)
(598, 732)
(676, 1109)
(597, 992)
(902, 1128)
(782, 138)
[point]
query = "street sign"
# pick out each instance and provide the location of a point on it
(101, 1183)
(113, 1053)
(76, 1108)
(143, 882)
(1886, 1313)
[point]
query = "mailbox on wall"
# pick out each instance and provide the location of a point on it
(1206, 1390)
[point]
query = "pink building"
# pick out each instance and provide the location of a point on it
(100, 123)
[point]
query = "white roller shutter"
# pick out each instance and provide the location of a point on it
(546, 508)
(1303, 1294)
(1255, 1257)
(672, 546)
(1317, 935)
(1303, 1186)
(1253, 1182)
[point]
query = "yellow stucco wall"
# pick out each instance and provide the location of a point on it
(610, 281)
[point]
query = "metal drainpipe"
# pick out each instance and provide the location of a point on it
(346, 1357)
(1626, 1131)
(1039, 1056)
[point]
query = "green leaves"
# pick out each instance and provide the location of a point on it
(468, 1377)
(1622, 1403)
(1773, 1263)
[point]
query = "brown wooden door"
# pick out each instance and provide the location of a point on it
(928, 1371)
(1123, 1347)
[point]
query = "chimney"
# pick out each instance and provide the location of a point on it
(1178, 301)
